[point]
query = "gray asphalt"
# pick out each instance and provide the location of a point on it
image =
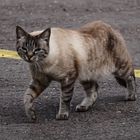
(111, 118)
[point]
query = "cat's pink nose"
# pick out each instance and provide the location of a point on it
(30, 55)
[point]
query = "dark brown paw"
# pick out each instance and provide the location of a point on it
(31, 114)
(62, 116)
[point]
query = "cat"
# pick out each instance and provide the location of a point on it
(89, 53)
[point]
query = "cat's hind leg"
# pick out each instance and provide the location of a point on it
(131, 86)
(34, 90)
(90, 88)
(128, 81)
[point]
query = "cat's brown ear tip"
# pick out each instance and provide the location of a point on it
(48, 30)
(20, 32)
(18, 27)
(45, 34)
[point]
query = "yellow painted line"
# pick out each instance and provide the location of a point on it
(14, 55)
(137, 73)
(9, 54)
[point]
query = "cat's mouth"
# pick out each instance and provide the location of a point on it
(29, 61)
(33, 59)
(27, 58)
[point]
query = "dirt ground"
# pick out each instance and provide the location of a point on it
(111, 118)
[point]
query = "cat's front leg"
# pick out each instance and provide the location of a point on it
(67, 87)
(34, 90)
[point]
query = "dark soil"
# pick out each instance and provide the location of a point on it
(111, 117)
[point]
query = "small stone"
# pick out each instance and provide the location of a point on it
(5, 123)
(64, 9)
(119, 112)
(45, 97)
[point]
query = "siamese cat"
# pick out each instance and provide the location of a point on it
(89, 53)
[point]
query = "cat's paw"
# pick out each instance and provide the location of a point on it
(30, 112)
(81, 108)
(132, 97)
(62, 116)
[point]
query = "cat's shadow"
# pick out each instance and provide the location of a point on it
(112, 99)
(46, 111)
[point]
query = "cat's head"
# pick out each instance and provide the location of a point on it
(32, 48)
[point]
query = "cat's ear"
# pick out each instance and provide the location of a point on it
(20, 32)
(45, 35)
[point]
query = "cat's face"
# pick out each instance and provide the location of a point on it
(32, 48)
